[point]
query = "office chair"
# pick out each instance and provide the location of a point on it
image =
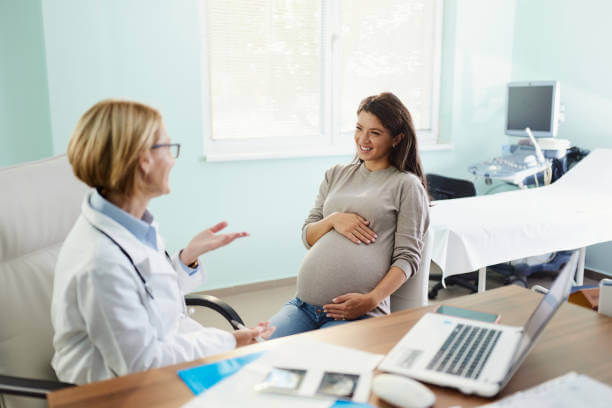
(40, 203)
(444, 188)
(413, 293)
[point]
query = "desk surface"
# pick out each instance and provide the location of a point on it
(576, 339)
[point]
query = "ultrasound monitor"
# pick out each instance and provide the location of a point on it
(534, 105)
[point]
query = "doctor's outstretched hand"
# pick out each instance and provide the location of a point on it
(246, 336)
(208, 240)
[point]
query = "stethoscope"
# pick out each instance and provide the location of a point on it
(147, 288)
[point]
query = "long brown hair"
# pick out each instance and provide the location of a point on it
(396, 118)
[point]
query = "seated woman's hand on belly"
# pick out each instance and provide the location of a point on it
(350, 306)
(353, 227)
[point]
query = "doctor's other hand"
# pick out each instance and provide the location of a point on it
(354, 227)
(245, 336)
(208, 240)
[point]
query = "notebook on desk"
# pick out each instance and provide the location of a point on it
(474, 357)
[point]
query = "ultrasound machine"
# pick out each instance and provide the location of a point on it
(533, 111)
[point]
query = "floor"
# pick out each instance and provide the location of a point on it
(258, 305)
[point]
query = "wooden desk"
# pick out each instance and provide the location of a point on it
(576, 339)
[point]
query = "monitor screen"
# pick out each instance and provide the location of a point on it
(534, 105)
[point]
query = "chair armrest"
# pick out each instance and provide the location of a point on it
(27, 387)
(216, 304)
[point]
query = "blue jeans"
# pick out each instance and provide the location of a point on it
(297, 317)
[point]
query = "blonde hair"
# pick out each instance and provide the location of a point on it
(107, 141)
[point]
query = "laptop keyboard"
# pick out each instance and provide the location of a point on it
(465, 351)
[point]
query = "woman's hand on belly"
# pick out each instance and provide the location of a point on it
(350, 306)
(354, 227)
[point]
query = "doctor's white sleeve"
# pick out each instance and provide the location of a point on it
(189, 279)
(111, 300)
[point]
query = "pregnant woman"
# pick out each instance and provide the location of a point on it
(365, 231)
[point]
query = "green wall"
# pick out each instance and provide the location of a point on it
(149, 50)
(568, 43)
(25, 131)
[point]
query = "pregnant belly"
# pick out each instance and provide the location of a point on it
(335, 266)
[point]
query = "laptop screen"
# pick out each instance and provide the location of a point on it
(546, 309)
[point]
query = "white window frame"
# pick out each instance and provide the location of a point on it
(330, 141)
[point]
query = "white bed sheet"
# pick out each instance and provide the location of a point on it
(574, 212)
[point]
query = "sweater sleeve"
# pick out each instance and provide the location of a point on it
(316, 213)
(412, 223)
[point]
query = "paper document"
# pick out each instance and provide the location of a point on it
(568, 391)
(240, 388)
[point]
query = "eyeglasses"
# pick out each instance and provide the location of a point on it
(175, 148)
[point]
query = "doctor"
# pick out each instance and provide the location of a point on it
(118, 303)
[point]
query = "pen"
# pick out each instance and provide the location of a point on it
(258, 339)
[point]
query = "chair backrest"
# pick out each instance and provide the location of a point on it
(443, 188)
(413, 293)
(40, 203)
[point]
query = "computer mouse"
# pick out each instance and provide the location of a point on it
(402, 391)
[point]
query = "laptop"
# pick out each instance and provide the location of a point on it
(472, 356)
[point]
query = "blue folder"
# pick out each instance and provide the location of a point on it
(351, 404)
(203, 377)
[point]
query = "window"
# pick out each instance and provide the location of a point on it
(283, 78)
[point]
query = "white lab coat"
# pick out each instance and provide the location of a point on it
(105, 323)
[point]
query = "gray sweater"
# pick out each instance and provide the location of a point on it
(395, 204)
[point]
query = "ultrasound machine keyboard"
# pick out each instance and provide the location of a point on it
(513, 168)
(502, 166)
